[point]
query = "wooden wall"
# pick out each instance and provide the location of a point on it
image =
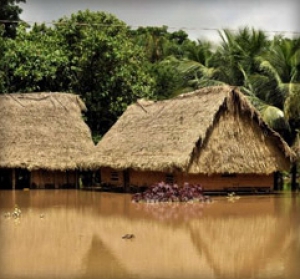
(209, 182)
(113, 177)
(39, 179)
(53, 179)
(219, 182)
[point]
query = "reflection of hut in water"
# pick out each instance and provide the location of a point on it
(212, 136)
(100, 262)
(43, 139)
(157, 251)
(236, 247)
(78, 244)
(75, 239)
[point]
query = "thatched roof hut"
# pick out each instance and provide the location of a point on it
(43, 131)
(211, 130)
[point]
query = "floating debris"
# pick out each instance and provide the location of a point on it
(17, 212)
(7, 215)
(128, 236)
(232, 197)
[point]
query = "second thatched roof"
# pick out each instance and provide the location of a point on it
(43, 131)
(211, 130)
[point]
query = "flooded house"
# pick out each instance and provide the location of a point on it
(212, 136)
(43, 140)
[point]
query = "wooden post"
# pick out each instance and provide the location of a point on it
(30, 179)
(278, 181)
(126, 181)
(275, 181)
(294, 177)
(67, 177)
(14, 178)
(76, 179)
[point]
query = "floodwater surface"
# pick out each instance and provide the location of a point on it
(75, 234)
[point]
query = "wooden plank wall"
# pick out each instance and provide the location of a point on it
(52, 179)
(209, 182)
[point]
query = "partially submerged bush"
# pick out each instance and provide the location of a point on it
(164, 192)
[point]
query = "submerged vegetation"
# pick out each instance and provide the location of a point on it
(165, 192)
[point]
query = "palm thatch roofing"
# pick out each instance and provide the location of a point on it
(211, 130)
(43, 131)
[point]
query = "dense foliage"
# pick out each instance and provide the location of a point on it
(9, 16)
(109, 65)
(89, 54)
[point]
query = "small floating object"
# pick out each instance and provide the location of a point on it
(7, 214)
(128, 236)
(16, 213)
(232, 197)
(42, 216)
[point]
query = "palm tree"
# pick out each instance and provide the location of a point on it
(281, 64)
(267, 71)
(236, 52)
(276, 89)
(195, 66)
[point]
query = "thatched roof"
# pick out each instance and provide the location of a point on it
(43, 131)
(211, 130)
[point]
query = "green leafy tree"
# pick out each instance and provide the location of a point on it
(35, 61)
(169, 81)
(10, 16)
(162, 50)
(106, 67)
(90, 54)
(2, 53)
(158, 44)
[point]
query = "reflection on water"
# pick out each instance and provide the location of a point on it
(77, 234)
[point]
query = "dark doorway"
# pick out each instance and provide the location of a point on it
(278, 181)
(86, 178)
(126, 180)
(22, 179)
(5, 179)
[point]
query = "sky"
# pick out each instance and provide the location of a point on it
(199, 18)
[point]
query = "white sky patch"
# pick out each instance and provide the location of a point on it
(193, 16)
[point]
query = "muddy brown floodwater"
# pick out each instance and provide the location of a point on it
(76, 234)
